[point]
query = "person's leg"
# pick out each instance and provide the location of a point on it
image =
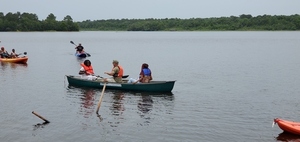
(91, 77)
(109, 80)
(131, 80)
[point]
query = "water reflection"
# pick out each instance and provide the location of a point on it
(40, 125)
(5, 65)
(80, 60)
(285, 136)
(87, 102)
(86, 99)
(146, 104)
(117, 107)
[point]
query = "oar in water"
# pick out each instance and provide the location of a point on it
(84, 51)
(100, 100)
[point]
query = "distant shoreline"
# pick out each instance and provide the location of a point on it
(232, 23)
(23, 22)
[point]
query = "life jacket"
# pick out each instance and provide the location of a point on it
(88, 70)
(120, 73)
(147, 76)
(147, 72)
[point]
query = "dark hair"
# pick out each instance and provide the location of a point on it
(145, 66)
(87, 62)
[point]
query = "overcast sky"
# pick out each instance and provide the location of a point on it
(81, 10)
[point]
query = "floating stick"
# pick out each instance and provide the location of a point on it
(40, 117)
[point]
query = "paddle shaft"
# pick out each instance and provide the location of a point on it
(100, 100)
(40, 117)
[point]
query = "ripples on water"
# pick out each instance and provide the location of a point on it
(119, 109)
(230, 86)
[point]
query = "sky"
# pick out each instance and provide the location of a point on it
(81, 10)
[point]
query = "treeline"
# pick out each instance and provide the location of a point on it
(232, 23)
(30, 22)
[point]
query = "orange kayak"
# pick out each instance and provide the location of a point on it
(288, 126)
(15, 60)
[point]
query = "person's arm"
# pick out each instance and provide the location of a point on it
(110, 73)
(113, 71)
(151, 76)
(81, 71)
(139, 80)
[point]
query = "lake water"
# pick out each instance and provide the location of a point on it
(229, 87)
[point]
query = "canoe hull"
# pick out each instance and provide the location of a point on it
(22, 60)
(82, 55)
(288, 126)
(154, 86)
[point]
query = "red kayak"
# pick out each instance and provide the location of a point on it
(288, 126)
(15, 60)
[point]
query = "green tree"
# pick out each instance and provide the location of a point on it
(50, 23)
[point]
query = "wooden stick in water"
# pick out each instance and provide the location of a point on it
(40, 117)
(100, 100)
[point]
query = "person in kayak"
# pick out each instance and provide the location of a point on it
(145, 75)
(13, 54)
(79, 48)
(86, 71)
(4, 53)
(116, 73)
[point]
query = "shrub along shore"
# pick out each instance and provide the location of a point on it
(244, 22)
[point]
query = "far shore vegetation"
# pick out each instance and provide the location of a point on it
(30, 22)
(245, 22)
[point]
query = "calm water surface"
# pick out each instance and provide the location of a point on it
(230, 86)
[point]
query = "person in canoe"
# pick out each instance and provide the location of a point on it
(116, 73)
(87, 70)
(79, 48)
(13, 54)
(4, 53)
(145, 75)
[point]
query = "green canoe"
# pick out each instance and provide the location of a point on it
(153, 86)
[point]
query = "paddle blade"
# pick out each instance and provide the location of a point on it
(88, 54)
(273, 124)
(25, 53)
(71, 42)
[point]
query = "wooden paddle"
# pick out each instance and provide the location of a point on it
(46, 121)
(84, 51)
(100, 100)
